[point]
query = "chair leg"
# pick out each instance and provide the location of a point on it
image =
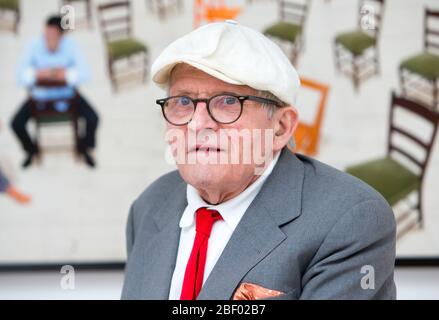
(402, 81)
(377, 62)
(435, 92)
(17, 22)
(355, 76)
(337, 57)
(112, 76)
(294, 55)
(420, 211)
(37, 144)
(89, 18)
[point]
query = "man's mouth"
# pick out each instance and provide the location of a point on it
(201, 148)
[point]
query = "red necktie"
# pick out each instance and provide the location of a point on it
(193, 277)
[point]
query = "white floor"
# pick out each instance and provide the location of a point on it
(412, 283)
(79, 214)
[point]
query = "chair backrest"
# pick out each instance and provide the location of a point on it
(115, 20)
(213, 10)
(371, 13)
(293, 11)
(307, 135)
(431, 32)
(421, 112)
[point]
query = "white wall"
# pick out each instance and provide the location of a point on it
(412, 283)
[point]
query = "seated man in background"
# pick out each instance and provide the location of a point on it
(54, 58)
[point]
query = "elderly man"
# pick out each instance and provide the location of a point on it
(288, 227)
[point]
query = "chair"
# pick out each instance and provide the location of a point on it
(87, 8)
(358, 49)
(162, 6)
(423, 69)
(45, 113)
(389, 175)
(290, 29)
(213, 10)
(12, 7)
(307, 136)
(116, 26)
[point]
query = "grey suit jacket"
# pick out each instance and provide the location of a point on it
(312, 232)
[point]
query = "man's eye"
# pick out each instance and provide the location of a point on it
(185, 101)
(229, 100)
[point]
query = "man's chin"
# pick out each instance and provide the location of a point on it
(203, 176)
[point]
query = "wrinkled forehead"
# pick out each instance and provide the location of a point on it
(184, 77)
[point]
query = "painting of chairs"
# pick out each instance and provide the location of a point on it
(213, 10)
(126, 56)
(402, 170)
(356, 52)
(10, 15)
(289, 30)
(419, 74)
(307, 135)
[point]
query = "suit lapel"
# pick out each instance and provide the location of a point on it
(258, 232)
(160, 255)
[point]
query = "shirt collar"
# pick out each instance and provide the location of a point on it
(228, 208)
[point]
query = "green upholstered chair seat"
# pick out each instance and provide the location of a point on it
(388, 177)
(124, 48)
(9, 5)
(284, 30)
(424, 64)
(54, 118)
(355, 42)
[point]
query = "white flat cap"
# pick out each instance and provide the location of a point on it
(234, 54)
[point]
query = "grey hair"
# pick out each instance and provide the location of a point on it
(270, 107)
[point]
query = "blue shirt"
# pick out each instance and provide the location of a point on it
(67, 56)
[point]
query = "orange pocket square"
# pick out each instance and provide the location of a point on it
(250, 291)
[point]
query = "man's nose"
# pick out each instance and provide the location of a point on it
(202, 119)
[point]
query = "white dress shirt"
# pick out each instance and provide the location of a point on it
(232, 211)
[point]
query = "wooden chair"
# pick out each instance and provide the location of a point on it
(116, 26)
(290, 29)
(162, 6)
(46, 113)
(352, 48)
(307, 136)
(11, 7)
(419, 74)
(390, 176)
(213, 10)
(87, 18)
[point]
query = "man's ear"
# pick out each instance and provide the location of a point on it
(285, 123)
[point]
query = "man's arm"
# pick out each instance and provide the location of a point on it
(356, 259)
(79, 72)
(130, 230)
(26, 71)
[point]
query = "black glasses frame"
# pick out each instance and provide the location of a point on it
(241, 99)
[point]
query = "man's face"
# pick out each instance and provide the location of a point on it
(223, 176)
(53, 37)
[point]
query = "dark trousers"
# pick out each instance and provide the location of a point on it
(85, 111)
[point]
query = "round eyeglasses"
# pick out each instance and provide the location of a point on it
(223, 108)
